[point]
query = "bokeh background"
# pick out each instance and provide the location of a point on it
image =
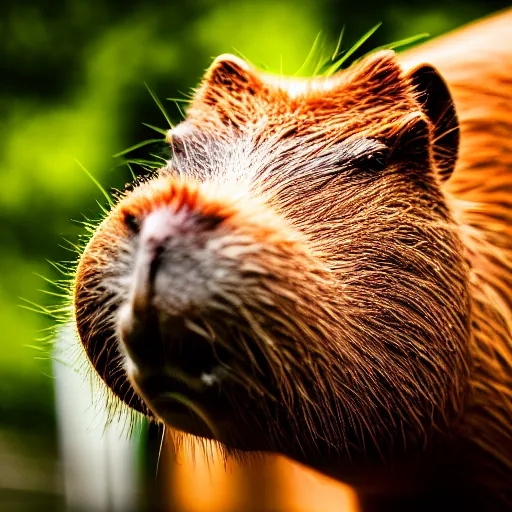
(72, 89)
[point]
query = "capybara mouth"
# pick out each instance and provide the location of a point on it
(183, 377)
(169, 355)
(193, 405)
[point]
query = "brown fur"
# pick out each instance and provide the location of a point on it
(477, 63)
(365, 310)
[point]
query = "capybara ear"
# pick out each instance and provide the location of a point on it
(377, 75)
(437, 103)
(229, 78)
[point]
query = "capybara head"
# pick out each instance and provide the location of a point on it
(292, 280)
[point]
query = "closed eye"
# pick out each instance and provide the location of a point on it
(356, 155)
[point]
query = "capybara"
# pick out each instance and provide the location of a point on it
(323, 269)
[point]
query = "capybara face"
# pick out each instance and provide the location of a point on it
(292, 281)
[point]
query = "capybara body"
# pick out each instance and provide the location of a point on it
(321, 271)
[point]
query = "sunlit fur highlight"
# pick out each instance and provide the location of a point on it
(372, 393)
(477, 62)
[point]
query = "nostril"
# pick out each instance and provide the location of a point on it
(157, 244)
(132, 223)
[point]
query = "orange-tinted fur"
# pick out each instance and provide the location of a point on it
(477, 63)
(445, 436)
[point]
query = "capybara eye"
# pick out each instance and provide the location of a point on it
(177, 145)
(363, 155)
(376, 161)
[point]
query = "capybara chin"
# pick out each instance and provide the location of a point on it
(321, 271)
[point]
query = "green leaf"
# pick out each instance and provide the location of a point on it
(338, 45)
(181, 100)
(137, 146)
(311, 55)
(156, 129)
(178, 106)
(337, 65)
(134, 177)
(403, 42)
(159, 105)
(97, 183)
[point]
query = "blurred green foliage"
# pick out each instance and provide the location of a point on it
(72, 88)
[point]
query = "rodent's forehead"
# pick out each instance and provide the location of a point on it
(366, 97)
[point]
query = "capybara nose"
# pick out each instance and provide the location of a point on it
(172, 265)
(169, 288)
